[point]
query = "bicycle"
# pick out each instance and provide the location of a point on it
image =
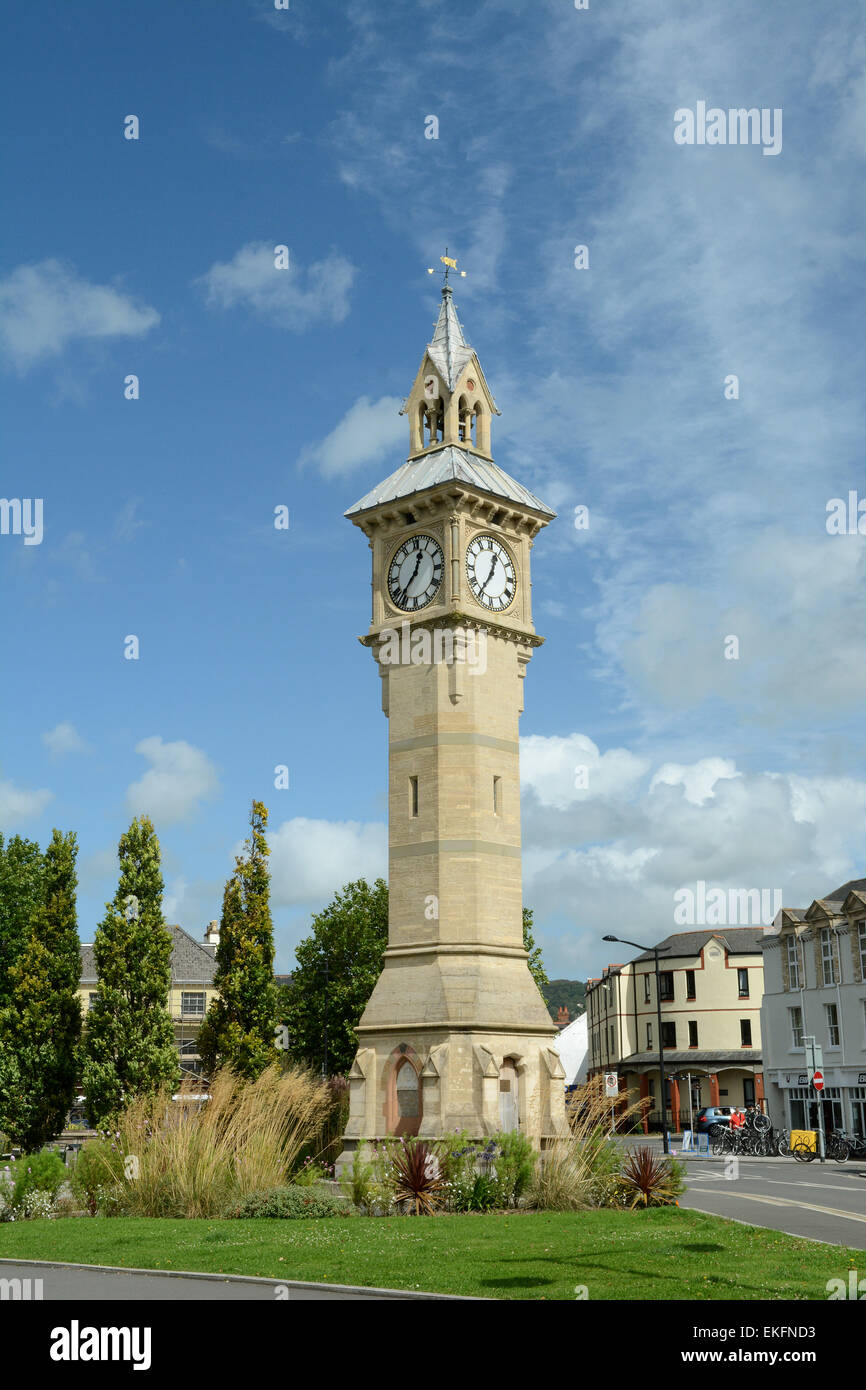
(856, 1144)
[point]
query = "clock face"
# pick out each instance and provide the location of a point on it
(415, 573)
(492, 577)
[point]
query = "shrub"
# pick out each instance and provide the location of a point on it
(360, 1183)
(515, 1162)
(310, 1172)
(288, 1203)
(415, 1174)
(97, 1171)
(649, 1180)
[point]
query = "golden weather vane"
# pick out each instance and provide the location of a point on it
(449, 263)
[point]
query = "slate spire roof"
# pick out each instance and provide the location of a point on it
(449, 350)
(445, 465)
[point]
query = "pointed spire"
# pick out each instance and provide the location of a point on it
(449, 350)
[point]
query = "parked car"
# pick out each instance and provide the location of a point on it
(713, 1116)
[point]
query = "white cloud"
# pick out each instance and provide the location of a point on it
(367, 433)
(64, 738)
(180, 776)
(292, 298)
(312, 859)
(553, 769)
(46, 305)
(17, 804)
(697, 780)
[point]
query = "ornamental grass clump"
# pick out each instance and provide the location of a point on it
(581, 1168)
(193, 1156)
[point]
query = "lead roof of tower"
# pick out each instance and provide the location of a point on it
(446, 465)
(449, 351)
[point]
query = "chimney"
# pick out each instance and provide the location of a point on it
(212, 934)
(562, 1016)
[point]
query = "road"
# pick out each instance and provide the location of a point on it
(825, 1203)
(80, 1283)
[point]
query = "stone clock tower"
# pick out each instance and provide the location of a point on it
(456, 1034)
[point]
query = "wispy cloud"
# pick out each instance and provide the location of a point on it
(179, 778)
(64, 738)
(368, 433)
(46, 306)
(293, 298)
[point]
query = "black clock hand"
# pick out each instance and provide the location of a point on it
(489, 576)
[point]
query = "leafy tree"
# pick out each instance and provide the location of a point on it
(41, 1027)
(338, 965)
(21, 890)
(571, 993)
(129, 1047)
(535, 963)
(239, 1030)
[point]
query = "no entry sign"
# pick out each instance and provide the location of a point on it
(818, 1081)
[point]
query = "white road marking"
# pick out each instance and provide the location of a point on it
(780, 1202)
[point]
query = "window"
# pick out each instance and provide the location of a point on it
(796, 1018)
(610, 1034)
(192, 1004)
(861, 941)
(413, 796)
(743, 983)
(690, 984)
(497, 795)
(666, 984)
(748, 1090)
(832, 1025)
(647, 988)
(649, 1036)
(669, 1035)
(746, 1032)
(828, 965)
(693, 1032)
(91, 1001)
(188, 1047)
(793, 963)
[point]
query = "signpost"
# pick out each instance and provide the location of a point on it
(815, 1062)
(611, 1090)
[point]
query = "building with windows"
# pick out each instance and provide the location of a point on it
(710, 989)
(815, 985)
(192, 971)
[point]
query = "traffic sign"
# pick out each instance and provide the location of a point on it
(818, 1081)
(611, 1085)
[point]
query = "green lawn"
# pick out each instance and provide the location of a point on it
(668, 1253)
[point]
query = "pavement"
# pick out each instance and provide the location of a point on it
(105, 1283)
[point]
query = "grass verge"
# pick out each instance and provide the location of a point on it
(666, 1253)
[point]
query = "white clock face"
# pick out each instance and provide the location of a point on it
(415, 573)
(492, 577)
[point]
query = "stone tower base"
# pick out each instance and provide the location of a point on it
(460, 1079)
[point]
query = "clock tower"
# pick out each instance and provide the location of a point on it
(456, 1034)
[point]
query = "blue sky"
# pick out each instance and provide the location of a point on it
(306, 128)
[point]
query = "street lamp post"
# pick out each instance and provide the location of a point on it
(656, 952)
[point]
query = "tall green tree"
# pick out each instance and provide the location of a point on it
(129, 1047)
(21, 892)
(535, 962)
(338, 965)
(239, 1030)
(39, 1031)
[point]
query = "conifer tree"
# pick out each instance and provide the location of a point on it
(41, 1027)
(21, 890)
(239, 1029)
(129, 1047)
